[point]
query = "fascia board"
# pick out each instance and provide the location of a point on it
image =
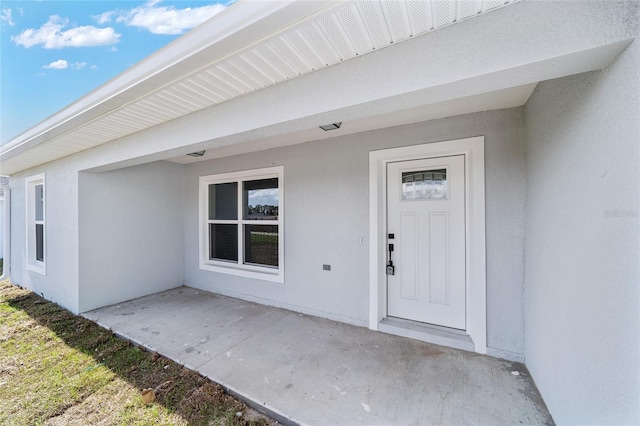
(237, 27)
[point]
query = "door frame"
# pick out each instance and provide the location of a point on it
(475, 262)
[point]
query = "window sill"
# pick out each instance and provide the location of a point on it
(274, 275)
(38, 267)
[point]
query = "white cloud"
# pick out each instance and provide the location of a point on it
(167, 19)
(6, 18)
(51, 35)
(94, 67)
(60, 64)
(103, 18)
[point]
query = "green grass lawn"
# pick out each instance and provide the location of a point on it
(60, 369)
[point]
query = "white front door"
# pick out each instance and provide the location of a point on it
(426, 226)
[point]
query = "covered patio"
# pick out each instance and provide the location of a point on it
(301, 369)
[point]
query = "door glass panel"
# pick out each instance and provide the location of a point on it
(424, 184)
(261, 244)
(223, 242)
(223, 201)
(260, 199)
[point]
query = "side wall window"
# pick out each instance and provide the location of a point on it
(241, 224)
(36, 229)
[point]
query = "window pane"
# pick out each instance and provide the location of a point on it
(223, 201)
(261, 244)
(39, 204)
(40, 243)
(223, 240)
(425, 184)
(260, 199)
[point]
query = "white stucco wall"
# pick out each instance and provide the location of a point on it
(60, 284)
(124, 239)
(131, 233)
(582, 247)
(579, 305)
(1, 225)
(327, 212)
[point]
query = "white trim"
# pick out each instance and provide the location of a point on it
(473, 149)
(243, 270)
(32, 264)
(235, 28)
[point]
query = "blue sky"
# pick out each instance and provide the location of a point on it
(53, 52)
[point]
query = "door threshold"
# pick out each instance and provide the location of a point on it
(443, 336)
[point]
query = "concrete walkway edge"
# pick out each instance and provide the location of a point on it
(300, 369)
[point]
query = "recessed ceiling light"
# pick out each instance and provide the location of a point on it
(196, 154)
(331, 126)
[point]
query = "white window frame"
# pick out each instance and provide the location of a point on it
(39, 266)
(275, 274)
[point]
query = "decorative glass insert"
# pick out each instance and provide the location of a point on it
(223, 203)
(260, 199)
(424, 185)
(261, 244)
(224, 242)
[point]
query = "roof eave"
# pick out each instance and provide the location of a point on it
(234, 28)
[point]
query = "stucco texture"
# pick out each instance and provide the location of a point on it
(60, 284)
(582, 293)
(327, 213)
(131, 233)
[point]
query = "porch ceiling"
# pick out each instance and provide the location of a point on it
(248, 47)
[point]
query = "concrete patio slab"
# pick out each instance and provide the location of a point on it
(308, 370)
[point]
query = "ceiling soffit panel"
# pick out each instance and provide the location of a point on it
(349, 30)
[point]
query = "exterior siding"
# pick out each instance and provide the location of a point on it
(582, 250)
(562, 193)
(60, 284)
(131, 233)
(327, 213)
